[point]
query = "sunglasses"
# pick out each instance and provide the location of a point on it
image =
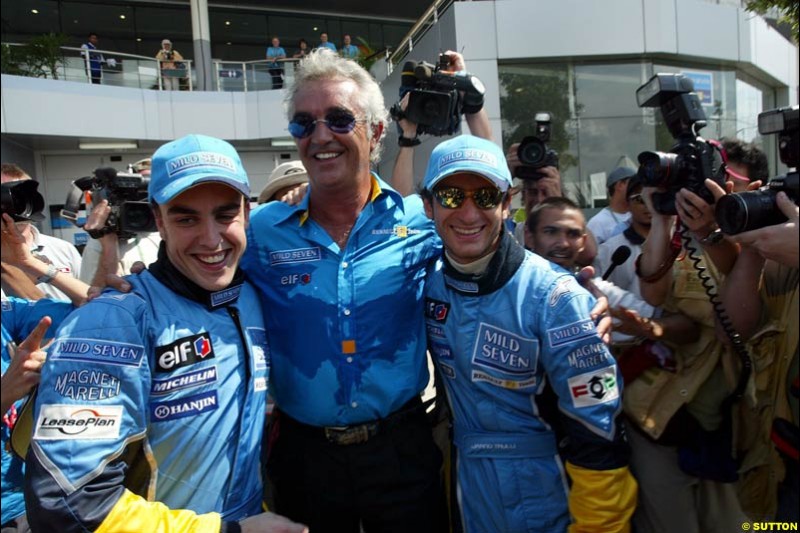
(453, 197)
(636, 199)
(341, 122)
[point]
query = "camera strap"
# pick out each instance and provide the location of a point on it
(72, 205)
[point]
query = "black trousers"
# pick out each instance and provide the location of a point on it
(391, 483)
(277, 77)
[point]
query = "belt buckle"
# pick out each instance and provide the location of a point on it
(345, 436)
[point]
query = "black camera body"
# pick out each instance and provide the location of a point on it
(746, 211)
(437, 97)
(691, 160)
(126, 193)
(533, 152)
(22, 200)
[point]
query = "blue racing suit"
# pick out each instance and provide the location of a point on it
(151, 410)
(498, 340)
(20, 317)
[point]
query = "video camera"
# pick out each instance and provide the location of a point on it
(533, 151)
(691, 160)
(751, 210)
(435, 103)
(126, 193)
(22, 201)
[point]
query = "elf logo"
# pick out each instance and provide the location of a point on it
(436, 310)
(184, 352)
(594, 388)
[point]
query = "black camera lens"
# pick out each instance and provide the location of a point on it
(22, 201)
(532, 152)
(657, 169)
(746, 211)
(137, 217)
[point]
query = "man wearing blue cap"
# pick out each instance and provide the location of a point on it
(151, 405)
(507, 329)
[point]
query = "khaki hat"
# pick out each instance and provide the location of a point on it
(284, 175)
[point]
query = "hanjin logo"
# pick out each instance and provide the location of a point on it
(184, 352)
(61, 422)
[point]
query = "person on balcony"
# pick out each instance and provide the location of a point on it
(171, 70)
(275, 54)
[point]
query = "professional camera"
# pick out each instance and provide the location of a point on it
(691, 160)
(126, 193)
(438, 97)
(746, 211)
(22, 200)
(533, 151)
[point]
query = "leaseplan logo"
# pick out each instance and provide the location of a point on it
(85, 422)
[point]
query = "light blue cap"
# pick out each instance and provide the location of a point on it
(189, 161)
(467, 153)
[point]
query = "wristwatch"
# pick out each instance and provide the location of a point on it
(52, 272)
(714, 237)
(406, 142)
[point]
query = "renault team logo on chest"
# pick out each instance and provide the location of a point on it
(183, 352)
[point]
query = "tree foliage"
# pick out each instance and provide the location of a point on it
(39, 58)
(789, 9)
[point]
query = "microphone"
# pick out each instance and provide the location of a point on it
(408, 80)
(619, 256)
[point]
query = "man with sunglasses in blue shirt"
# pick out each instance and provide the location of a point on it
(342, 273)
(504, 325)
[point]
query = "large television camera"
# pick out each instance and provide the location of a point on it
(126, 193)
(533, 152)
(691, 160)
(22, 200)
(437, 96)
(751, 210)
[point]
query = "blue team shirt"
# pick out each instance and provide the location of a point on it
(19, 319)
(350, 51)
(329, 45)
(346, 327)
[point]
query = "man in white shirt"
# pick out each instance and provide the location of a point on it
(60, 254)
(613, 219)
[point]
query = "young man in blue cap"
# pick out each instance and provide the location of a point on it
(151, 406)
(502, 324)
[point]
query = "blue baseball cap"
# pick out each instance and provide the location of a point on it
(467, 153)
(189, 161)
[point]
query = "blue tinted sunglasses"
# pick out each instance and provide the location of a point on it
(341, 122)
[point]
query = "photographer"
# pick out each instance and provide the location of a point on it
(132, 247)
(761, 298)
(62, 256)
(403, 172)
(171, 71)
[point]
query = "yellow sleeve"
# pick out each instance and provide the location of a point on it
(134, 514)
(601, 500)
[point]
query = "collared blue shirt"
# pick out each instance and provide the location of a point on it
(350, 51)
(345, 327)
(275, 52)
(328, 45)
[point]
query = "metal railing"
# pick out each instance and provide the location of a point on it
(428, 20)
(252, 75)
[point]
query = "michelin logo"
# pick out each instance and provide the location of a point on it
(161, 387)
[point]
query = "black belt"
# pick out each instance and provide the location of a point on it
(357, 433)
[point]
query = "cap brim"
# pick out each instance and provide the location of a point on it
(284, 181)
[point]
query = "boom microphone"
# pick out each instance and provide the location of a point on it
(619, 256)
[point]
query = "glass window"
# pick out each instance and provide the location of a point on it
(607, 90)
(114, 24)
(292, 29)
(20, 23)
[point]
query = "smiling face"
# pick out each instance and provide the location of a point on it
(468, 232)
(560, 236)
(276, 42)
(204, 231)
(334, 160)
